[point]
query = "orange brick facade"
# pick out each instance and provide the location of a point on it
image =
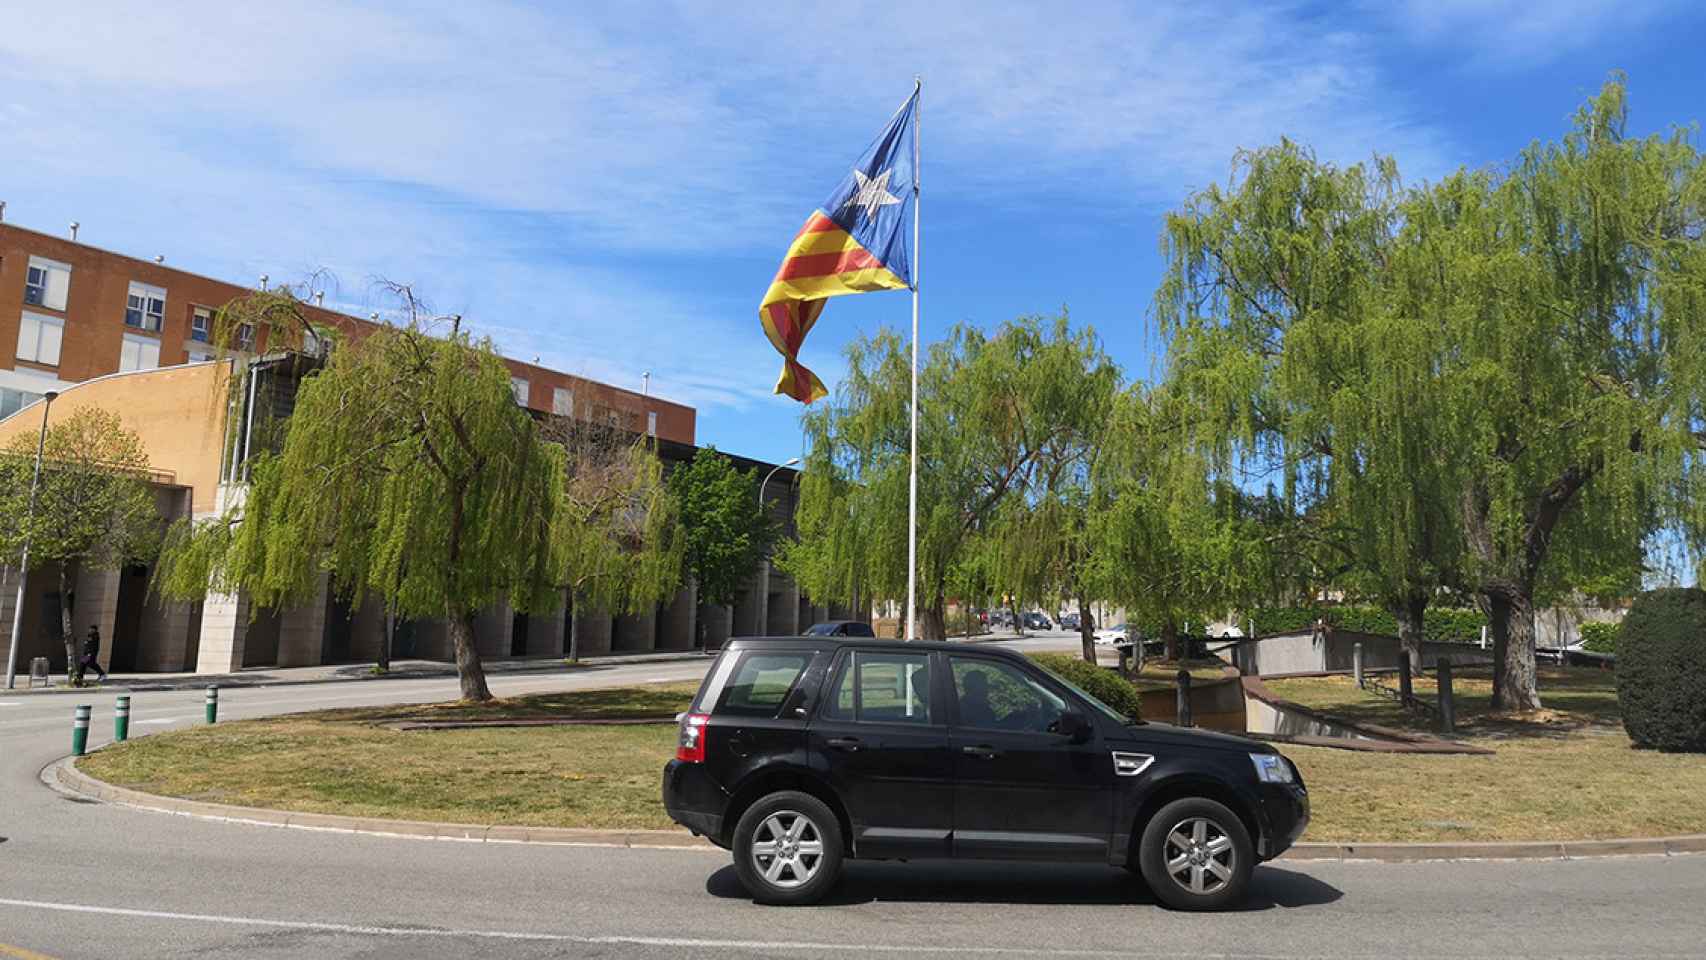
(94, 331)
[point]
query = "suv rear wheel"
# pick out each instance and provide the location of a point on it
(1196, 855)
(787, 848)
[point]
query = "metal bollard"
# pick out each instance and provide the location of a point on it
(80, 731)
(1356, 662)
(121, 720)
(1405, 696)
(1447, 707)
(212, 703)
(1184, 706)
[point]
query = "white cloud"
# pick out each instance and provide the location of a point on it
(1513, 34)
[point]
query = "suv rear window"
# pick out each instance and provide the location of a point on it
(762, 682)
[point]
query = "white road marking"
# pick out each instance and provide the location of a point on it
(164, 719)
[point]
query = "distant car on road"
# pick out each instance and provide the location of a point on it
(1071, 621)
(801, 753)
(1037, 620)
(840, 628)
(1112, 636)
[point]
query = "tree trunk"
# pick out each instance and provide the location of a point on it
(1515, 676)
(1170, 637)
(1409, 612)
(468, 669)
(73, 662)
(936, 620)
(1086, 631)
(383, 661)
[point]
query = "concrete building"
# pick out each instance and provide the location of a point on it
(73, 320)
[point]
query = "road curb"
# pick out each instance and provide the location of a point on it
(63, 775)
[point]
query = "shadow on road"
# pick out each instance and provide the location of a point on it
(945, 881)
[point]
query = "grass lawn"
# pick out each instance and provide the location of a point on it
(1569, 773)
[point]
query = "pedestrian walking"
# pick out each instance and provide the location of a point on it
(92, 653)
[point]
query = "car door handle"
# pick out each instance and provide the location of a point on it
(849, 744)
(981, 751)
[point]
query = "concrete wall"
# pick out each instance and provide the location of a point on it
(1306, 652)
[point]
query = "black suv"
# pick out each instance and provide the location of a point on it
(801, 752)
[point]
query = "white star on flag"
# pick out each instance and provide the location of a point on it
(872, 195)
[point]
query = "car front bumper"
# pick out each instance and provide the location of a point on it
(1283, 809)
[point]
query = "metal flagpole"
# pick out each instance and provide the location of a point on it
(912, 480)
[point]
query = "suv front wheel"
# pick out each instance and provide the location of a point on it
(1196, 855)
(787, 848)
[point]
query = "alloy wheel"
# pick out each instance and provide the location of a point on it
(1199, 856)
(787, 849)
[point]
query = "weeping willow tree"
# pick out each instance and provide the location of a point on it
(405, 471)
(620, 536)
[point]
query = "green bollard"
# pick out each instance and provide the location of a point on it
(80, 731)
(121, 720)
(212, 703)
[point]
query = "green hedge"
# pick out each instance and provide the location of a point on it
(1439, 624)
(1599, 637)
(1100, 682)
(1661, 676)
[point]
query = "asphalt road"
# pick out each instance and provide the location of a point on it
(81, 879)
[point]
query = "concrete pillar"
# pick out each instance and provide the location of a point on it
(784, 611)
(718, 623)
(591, 634)
(367, 630)
(224, 632)
(302, 630)
(751, 616)
(545, 631)
(635, 633)
(677, 627)
(163, 636)
(492, 629)
(95, 604)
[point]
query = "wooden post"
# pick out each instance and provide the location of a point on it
(1184, 707)
(1447, 709)
(1356, 662)
(1404, 694)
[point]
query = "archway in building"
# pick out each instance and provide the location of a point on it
(127, 619)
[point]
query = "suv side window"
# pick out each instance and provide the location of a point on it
(873, 687)
(762, 682)
(996, 696)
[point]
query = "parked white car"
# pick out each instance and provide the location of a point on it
(1111, 636)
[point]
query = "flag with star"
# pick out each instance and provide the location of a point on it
(856, 242)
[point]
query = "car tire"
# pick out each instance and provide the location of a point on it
(1195, 854)
(787, 849)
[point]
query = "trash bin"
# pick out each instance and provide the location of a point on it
(38, 671)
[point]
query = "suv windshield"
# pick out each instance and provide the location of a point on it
(1084, 695)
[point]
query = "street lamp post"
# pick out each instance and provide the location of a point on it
(24, 558)
(762, 601)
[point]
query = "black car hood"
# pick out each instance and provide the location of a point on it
(1195, 737)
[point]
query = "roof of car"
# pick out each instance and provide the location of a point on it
(959, 645)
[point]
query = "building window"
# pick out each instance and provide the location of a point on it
(562, 402)
(201, 325)
(651, 423)
(200, 356)
(145, 308)
(39, 338)
(246, 337)
(519, 387)
(138, 353)
(47, 283)
(11, 401)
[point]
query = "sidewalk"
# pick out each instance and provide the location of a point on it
(329, 673)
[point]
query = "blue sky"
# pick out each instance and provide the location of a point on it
(611, 190)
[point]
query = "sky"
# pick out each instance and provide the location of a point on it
(610, 187)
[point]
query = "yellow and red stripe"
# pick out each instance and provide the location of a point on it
(823, 261)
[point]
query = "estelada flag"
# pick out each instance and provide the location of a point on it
(856, 242)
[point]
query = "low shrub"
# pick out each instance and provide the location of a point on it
(1599, 637)
(1661, 674)
(1103, 684)
(1440, 624)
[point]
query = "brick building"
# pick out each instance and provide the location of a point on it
(130, 336)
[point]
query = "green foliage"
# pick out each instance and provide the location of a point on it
(1661, 670)
(1600, 637)
(1103, 684)
(1439, 624)
(725, 531)
(94, 508)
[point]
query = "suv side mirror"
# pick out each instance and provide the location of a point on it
(1074, 726)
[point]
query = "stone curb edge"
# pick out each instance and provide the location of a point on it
(63, 775)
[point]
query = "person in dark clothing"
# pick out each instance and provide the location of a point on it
(92, 653)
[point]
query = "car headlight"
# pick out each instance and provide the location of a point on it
(1272, 768)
